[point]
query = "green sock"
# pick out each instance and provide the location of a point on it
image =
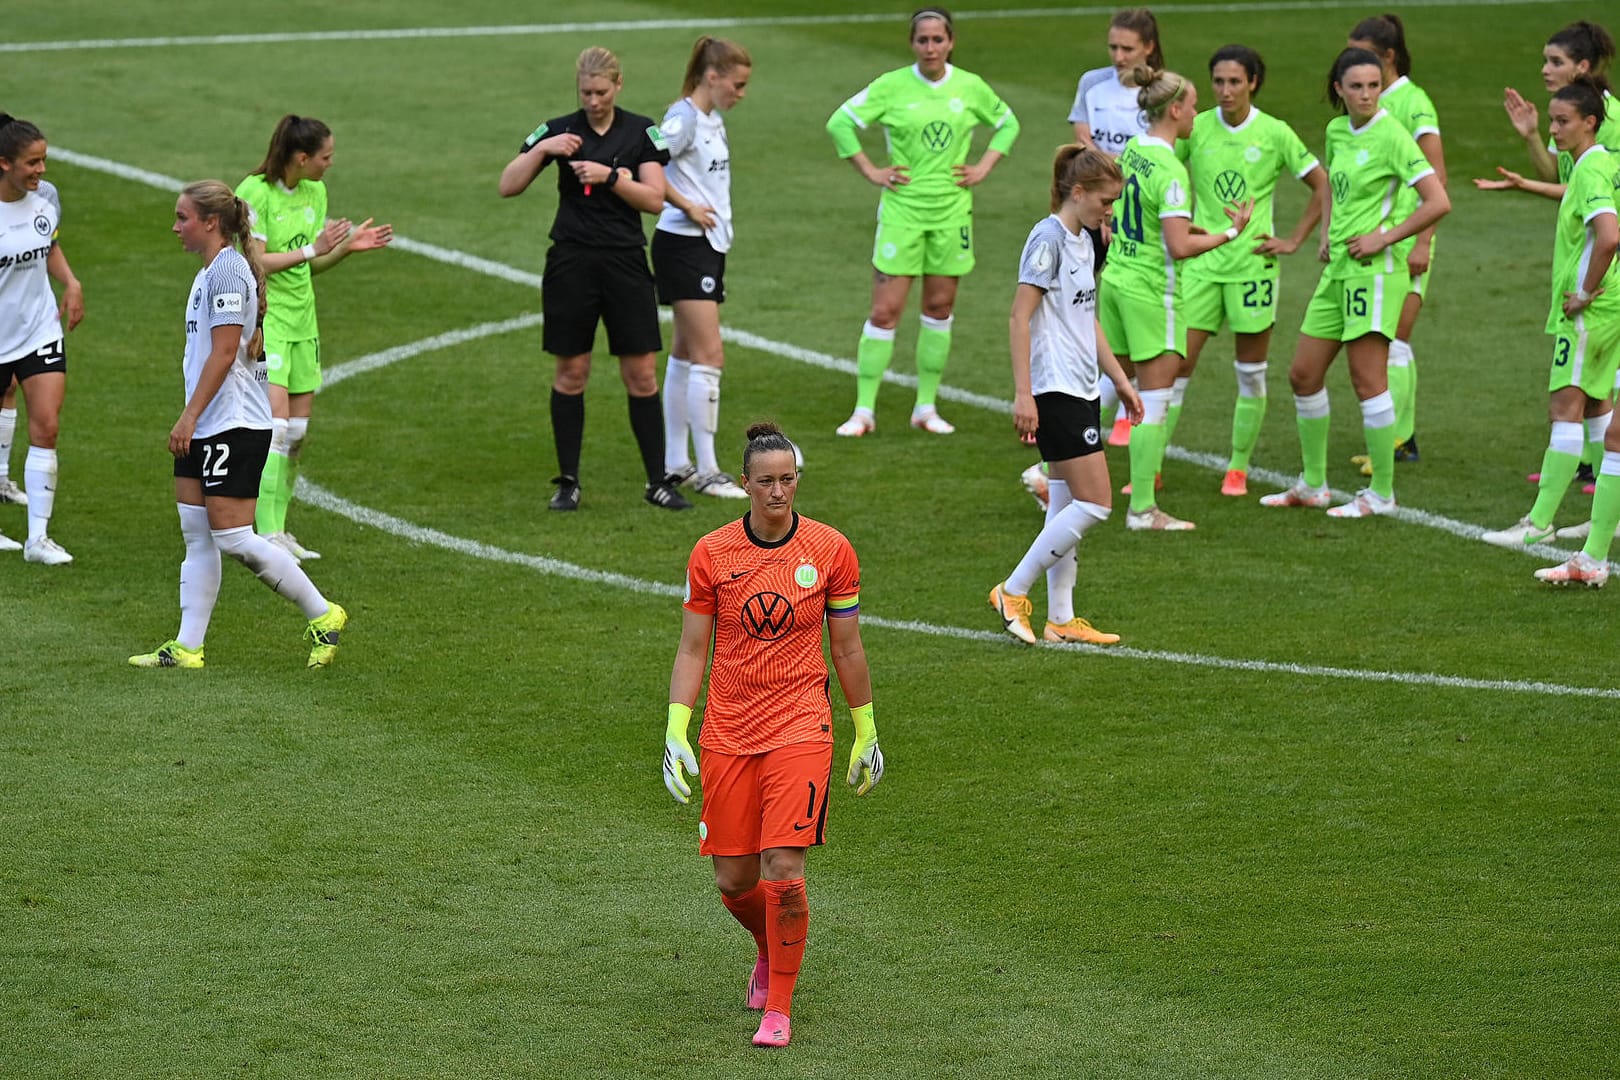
(1247, 416)
(1401, 380)
(1381, 451)
(1605, 517)
(1147, 452)
(289, 477)
(871, 360)
(933, 350)
(1172, 417)
(1313, 448)
(1557, 470)
(265, 518)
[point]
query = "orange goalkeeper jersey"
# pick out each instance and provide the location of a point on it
(768, 679)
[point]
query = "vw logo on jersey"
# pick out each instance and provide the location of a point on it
(767, 616)
(1341, 187)
(707, 283)
(937, 136)
(1252, 154)
(1230, 186)
(42, 225)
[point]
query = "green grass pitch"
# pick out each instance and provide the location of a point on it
(451, 855)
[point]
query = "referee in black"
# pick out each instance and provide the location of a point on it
(610, 172)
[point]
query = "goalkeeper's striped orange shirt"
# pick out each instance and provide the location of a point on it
(768, 678)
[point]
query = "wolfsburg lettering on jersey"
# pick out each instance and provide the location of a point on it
(1136, 163)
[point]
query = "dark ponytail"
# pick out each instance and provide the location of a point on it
(293, 135)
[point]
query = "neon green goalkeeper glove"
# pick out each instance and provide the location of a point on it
(865, 759)
(678, 752)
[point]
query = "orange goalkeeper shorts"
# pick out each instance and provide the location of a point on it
(752, 802)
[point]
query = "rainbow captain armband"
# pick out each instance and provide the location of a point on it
(842, 607)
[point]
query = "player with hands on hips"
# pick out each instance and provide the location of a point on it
(928, 112)
(759, 591)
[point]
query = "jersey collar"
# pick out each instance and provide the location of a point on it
(1590, 150)
(1254, 111)
(916, 69)
(1377, 116)
(748, 530)
(1153, 140)
(1392, 87)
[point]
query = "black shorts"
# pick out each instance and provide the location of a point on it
(51, 357)
(228, 464)
(583, 285)
(1068, 426)
(687, 268)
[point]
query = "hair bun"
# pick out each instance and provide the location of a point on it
(1143, 75)
(764, 427)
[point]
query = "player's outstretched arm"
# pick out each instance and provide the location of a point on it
(685, 680)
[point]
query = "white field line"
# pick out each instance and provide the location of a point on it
(488, 267)
(312, 493)
(633, 25)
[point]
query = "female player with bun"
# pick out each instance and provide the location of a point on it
(1410, 105)
(1357, 303)
(1058, 358)
(223, 435)
(925, 217)
(31, 332)
(759, 591)
(1237, 151)
(1141, 295)
(295, 241)
(689, 259)
(1585, 324)
(610, 171)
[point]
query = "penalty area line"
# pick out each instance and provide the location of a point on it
(315, 495)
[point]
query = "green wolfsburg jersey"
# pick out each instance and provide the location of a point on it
(1230, 165)
(1591, 192)
(929, 127)
(1367, 170)
(286, 220)
(1156, 187)
(1608, 136)
(1409, 103)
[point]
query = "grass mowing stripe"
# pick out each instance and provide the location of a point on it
(315, 495)
(1460, 529)
(628, 25)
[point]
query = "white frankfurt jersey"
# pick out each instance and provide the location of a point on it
(1063, 330)
(28, 311)
(700, 169)
(224, 294)
(1110, 108)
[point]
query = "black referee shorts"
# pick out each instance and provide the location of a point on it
(687, 268)
(584, 285)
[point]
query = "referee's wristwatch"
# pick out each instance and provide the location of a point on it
(612, 178)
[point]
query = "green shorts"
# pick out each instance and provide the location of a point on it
(1586, 353)
(1248, 307)
(1344, 309)
(1140, 327)
(905, 251)
(295, 366)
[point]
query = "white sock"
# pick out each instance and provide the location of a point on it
(1178, 390)
(1311, 406)
(8, 432)
(703, 412)
(1567, 437)
(1056, 540)
(297, 430)
(199, 576)
(39, 476)
(1378, 411)
(1251, 379)
(1155, 404)
(1060, 576)
(1597, 427)
(1400, 353)
(273, 566)
(675, 416)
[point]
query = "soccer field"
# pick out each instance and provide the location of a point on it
(1343, 804)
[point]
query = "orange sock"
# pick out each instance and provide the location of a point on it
(787, 918)
(749, 909)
